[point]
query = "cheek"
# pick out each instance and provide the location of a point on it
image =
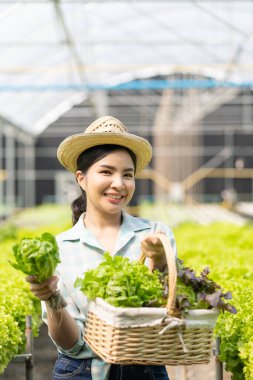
(131, 187)
(98, 185)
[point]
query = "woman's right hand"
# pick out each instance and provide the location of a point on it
(45, 289)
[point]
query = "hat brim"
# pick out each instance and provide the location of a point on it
(71, 148)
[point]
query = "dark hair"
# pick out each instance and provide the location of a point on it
(84, 162)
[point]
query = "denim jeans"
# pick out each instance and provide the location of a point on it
(69, 368)
(138, 372)
(80, 369)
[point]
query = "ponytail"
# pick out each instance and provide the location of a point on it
(78, 207)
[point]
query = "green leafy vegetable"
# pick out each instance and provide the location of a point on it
(227, 249)
(16, 300)
(122, 283)
(207, 292)
(37, 256)
(130, 284)
(196, 292)
(7, 232)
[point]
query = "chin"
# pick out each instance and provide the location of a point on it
(113, 210)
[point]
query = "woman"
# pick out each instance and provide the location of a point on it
(104, 159)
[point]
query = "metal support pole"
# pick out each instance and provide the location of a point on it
(30, 177)
(29, 348)
(10, 166)
(100, 102)
(20, 173)
(28, 357)
(229, 163)
(218, 363)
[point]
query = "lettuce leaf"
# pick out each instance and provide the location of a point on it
(37, 256)
(122, 283)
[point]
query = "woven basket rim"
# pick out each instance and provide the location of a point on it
(122, 317)
(151, 310)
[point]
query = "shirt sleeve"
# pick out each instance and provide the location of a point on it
(75, 313)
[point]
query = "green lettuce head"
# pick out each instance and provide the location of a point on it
(38, 257)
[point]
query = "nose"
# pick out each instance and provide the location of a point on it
(118, 182)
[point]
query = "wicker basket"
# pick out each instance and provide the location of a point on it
(151, 336)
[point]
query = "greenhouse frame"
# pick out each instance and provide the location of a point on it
(178, 73)
(64, 66)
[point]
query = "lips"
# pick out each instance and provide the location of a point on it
(114, 196)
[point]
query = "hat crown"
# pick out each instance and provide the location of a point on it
(106, 124)
(103, 131)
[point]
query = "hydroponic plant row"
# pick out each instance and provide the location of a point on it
(226, 249)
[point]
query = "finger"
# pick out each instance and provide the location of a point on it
(49, 280)
(150, 250)
(152, 254)
(153, 239)
(48, 284)
(45, 292)
(31, 279)
(44, 296)
(34, 280)
(149, 245)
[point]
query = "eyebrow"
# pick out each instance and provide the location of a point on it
(113, 168)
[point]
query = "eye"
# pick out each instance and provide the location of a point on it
(129, 175)
(107, 172)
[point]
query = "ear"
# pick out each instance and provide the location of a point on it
(80, 177)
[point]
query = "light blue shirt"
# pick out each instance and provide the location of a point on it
(80, 251)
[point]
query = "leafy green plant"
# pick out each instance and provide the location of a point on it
(236, 332)
(8, 231)
(37, 256)
(227, 250)
(197, 292)
(122, 283)
(16, 300)
(10, 338)
(207, 292)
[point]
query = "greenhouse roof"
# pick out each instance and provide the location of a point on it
(54, 52)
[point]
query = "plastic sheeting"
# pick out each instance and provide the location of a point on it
(53, 52)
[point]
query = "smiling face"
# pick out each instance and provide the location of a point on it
(109, 183)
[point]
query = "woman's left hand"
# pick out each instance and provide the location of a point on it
(152, 248)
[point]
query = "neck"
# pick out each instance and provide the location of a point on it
(98, 221)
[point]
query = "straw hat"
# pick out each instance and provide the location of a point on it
(105, 130)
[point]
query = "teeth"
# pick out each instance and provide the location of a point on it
(113, 196)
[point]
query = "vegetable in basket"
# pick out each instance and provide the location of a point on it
(197, 292)
(123, 283)
(39, 257)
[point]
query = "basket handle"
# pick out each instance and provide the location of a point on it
(172, 270)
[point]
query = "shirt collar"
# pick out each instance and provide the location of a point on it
(133, 223)
(130, 224)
